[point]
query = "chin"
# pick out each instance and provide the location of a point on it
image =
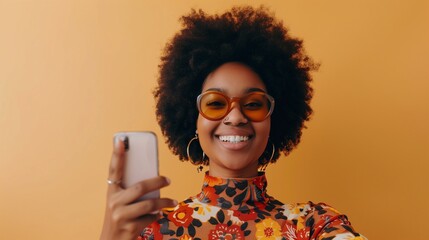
(238, 165)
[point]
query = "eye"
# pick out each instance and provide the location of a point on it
(253, 104)
(214, 101)
(215, 104)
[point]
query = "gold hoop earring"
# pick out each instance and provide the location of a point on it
(264, 166)
(187, 150)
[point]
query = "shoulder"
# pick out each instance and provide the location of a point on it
(308, 209)
(319, 221)
(327, 222)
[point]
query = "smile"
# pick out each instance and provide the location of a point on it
(234, 139)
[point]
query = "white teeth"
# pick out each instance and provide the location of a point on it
(233, 139)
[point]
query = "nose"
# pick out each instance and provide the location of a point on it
(235, 117)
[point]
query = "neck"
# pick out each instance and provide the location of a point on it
(225, 172)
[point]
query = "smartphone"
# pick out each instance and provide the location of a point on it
(141, 158)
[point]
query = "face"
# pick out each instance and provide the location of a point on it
(233, 143)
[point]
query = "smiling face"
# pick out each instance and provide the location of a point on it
(233, 143)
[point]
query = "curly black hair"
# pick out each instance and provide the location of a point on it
(251, 36)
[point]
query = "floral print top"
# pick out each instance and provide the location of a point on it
(241, 209)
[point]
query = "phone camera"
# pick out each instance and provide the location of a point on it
(126, 143)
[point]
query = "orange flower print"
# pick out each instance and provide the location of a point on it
(213, 181)
(295, 211)
(222, 231)
(185, 237)
(298, 212)
(182, 216)
(268, 229)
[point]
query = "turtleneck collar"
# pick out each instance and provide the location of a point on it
(235, 193)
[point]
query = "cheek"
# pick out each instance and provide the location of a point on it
(262, 129)
(205, 130)
(201, 125)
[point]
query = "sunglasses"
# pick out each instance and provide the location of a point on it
(255, 106)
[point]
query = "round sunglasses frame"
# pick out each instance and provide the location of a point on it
(230, 100)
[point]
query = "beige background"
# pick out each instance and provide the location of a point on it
(74, 72)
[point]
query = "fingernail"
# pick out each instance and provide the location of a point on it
(175, 202)
(168, 180)
(123, 139)
(117, 140)
(126, 143)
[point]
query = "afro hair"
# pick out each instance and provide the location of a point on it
(251, 36)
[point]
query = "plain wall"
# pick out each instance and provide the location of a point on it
(72, 73)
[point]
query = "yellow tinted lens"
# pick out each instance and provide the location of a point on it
(255, 106)
(213, 105)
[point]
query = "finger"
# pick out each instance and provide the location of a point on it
(143, 222)
(116, 169)
(132, 228)
(150, 206)
(139, 189)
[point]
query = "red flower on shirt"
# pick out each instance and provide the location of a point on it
(290, 231)
(260, 205)
(210, 193)
(151, 232)
(181, 216)
(259, 183)
(222, 231)
(245, 216)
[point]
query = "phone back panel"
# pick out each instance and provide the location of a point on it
(141, 158)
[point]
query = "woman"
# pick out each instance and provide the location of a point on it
(250, 81)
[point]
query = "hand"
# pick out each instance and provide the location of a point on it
(124, 217)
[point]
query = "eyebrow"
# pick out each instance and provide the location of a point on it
(249, 90)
